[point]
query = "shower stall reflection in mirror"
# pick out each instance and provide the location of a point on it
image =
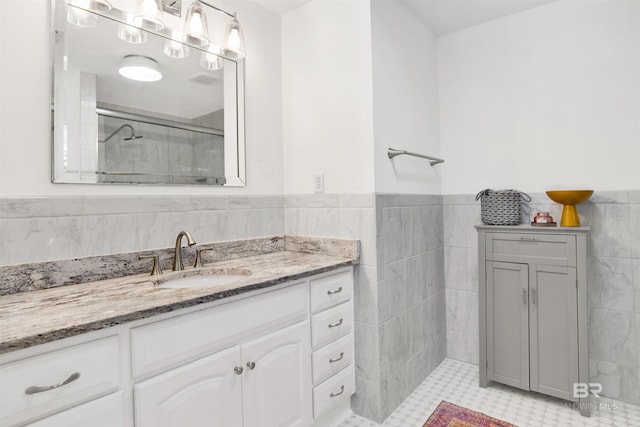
(134, 150)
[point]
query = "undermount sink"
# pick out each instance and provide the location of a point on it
(204, 278)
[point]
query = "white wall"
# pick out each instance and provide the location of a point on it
(405, 99)
(547, 98)
(25, 87)
(327, 96)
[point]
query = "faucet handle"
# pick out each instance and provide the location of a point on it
(199, 263)
(156, 270)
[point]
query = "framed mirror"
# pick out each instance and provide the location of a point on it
(180, 122)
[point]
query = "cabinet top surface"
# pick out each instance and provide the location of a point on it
(527, 228)
(38, 317)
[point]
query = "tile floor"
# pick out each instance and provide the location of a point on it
(457, 382)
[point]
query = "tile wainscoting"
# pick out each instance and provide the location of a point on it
(418, 251)
(399, 301)
(613, 283)
(55, 228)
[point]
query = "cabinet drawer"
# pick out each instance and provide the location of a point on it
(107, 411)
(331, 324)
(97, 363)
(332, 358)
(172, 342)
(524, 247)
(336, 389)
(330, 291)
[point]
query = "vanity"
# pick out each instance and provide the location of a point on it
(272, 348)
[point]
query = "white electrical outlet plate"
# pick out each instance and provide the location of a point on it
(318, 182)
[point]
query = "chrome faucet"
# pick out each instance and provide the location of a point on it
(177, 260)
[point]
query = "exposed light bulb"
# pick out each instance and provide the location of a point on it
(195, 24)
(234, 46)
(234, 40)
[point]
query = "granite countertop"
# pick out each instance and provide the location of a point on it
(41, 316)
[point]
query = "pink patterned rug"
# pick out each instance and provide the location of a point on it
(450, 415)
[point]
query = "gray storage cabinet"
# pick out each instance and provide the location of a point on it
(533, 309)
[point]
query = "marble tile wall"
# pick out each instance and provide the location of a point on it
(460, 214)
(54, 228)
(411, 293)
(399, 293)
(613, 287)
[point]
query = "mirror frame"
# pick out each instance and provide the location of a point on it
(235, 167)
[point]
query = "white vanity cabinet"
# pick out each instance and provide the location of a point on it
(265, 382)
(204, 392)
(333, 346)
(106, 411)
(245, 361)
(59, 379)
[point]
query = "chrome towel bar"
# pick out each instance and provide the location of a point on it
(392, 152)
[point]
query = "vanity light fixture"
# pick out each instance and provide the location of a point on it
(196, 31)
(81, 18)
(132, 34)
(234, 40)
(174, 48)
(80, 14)
(92, 5)
(211, 60)
(140, 68)
(148, 15)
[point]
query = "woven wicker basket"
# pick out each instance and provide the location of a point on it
(501, 207)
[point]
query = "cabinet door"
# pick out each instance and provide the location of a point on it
(554, 330)
(508, 324)
(206, 392)
(107, 411)
(277, 389)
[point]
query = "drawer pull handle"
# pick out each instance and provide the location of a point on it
(338, 323)
(338, 393)
(337, 291)
(35, 389)
(337, 359)
(251, 365)
(528, 239)
(238, 370)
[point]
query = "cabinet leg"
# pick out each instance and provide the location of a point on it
(585, 406)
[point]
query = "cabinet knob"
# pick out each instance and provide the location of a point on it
(238, 370)
(251, 365)
(38, 389)
(337, 291)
